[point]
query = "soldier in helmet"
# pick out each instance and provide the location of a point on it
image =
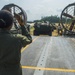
(10, 45)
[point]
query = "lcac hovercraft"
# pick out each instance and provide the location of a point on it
(68, 19)
(20, 17)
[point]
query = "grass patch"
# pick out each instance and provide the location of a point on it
(55, 33)
(31, 30)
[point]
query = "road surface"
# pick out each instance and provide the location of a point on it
(49, 56)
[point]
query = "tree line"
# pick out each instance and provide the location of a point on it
(51, 19)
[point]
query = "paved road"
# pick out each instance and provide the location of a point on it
(49, 56)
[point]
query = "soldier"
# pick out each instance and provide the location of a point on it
(10, 45)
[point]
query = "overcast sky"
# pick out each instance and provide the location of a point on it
(36, 9)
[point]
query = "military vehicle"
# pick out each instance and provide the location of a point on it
(68, 19)
(42, 28)
(20, 17)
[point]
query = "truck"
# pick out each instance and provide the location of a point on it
(42, 28)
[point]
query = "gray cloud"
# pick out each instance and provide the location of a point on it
(35, 9)
(6, 0)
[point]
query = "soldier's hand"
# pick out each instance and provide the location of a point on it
(19, 19)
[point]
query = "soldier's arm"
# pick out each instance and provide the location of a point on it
(26, 33)
(25, 38)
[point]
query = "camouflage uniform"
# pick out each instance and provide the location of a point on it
(10, 51)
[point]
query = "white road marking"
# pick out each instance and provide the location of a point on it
(43, 58)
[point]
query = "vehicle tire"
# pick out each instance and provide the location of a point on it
(50, 33)
(36, 33)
